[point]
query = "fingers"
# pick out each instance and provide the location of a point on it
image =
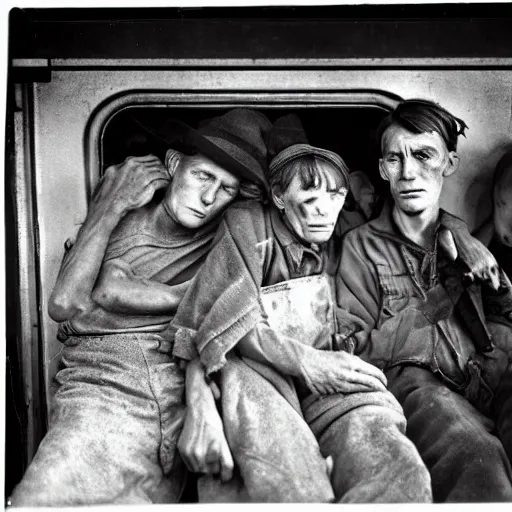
(355, 380)
(215, 459)
(495, 277)
(187, 455)
(226, 463)
(447, 243)
(355, 363)
(218, 460)
(215, 390)
(492, 277)
(141, 159)
(329, 465)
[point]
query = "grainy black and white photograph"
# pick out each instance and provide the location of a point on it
(258, 254)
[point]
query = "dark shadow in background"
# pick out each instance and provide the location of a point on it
(348, 131)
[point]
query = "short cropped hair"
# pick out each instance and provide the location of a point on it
(306, 168)
(424, 116)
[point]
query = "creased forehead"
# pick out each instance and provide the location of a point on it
(396, 134)
(204, 163)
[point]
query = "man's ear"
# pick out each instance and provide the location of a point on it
(277, 197)
(172, 160)
(453, 163)
(382, 170)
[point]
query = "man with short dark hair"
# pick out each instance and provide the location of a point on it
(415, 316)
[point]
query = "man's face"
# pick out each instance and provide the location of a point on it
(415, 166)
(199, 191)
(313, 213)
(503, 207)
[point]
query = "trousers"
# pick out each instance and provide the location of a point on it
(279, 453)
(114, 424)
(373, 460)
(467, 462)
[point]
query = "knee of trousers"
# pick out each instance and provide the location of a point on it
(386, 427)
(375, 419)
(381, 446)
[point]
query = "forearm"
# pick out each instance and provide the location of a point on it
(81, 265)
(197, 391)
(282, 353)
(122, 188)
(120, 291)
(97, 320)
(322, 371)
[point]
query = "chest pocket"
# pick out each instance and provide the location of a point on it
(301, 309)
(398, 291)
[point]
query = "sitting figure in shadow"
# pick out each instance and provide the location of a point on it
(497, 231)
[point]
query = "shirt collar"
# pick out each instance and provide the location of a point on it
(293, 247)
(386, 226)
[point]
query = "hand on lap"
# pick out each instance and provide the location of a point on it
(326, 372)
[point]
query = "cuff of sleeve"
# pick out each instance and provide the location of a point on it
(184, 347)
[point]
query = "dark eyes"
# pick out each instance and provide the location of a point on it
(420, 155)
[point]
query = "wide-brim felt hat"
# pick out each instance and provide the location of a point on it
(235, 140)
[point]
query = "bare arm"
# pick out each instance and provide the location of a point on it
(123, 188)
(119, 290)
(202, 442)
(323, 372)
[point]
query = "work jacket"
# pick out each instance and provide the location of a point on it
(402, 304)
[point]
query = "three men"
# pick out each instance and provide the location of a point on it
(419, 322)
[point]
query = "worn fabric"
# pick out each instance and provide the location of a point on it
(373, 461)
(223, 304)
(256, 249)
(466, 460)
(402, 305)
(289, 469)
(113, 430)
(117, 392)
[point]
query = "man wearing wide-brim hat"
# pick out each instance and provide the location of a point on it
(119, 407)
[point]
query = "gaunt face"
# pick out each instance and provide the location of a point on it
(200, 190)
(415, 166)
(312, 213)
